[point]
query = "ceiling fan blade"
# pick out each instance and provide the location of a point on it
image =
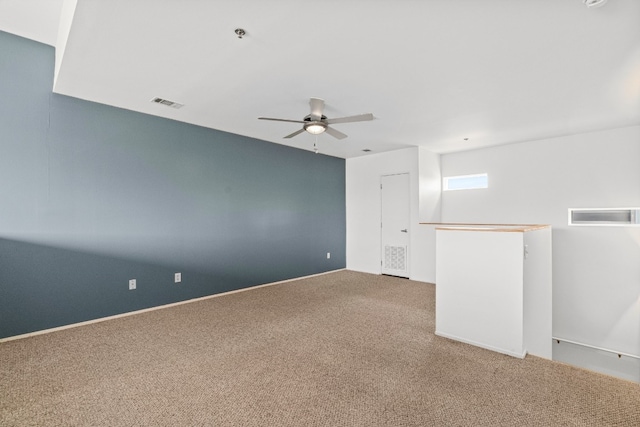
(281, 120)
(335, 133)
(298, 132)
(317, 108)
(357, 118)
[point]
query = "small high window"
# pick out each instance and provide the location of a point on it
(465, 182)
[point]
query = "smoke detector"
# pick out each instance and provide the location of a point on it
(594, 3)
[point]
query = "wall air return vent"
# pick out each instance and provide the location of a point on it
(167, 103)
(395, 258)
(605, 216)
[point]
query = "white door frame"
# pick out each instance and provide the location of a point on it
(408, 226)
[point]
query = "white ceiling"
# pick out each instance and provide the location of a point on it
(432, 72)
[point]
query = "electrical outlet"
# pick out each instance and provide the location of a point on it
(328, 255)
(132, 284)
(177, 278)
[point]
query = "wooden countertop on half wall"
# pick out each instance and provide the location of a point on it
(514, 228)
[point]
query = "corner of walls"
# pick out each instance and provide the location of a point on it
(64, 28)
(430, 186)
(364, 204)
(101, 195)
(429, 210)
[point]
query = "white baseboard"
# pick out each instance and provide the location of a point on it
(159, 307)
(481, 345)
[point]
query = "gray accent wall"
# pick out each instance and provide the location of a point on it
(92, 196)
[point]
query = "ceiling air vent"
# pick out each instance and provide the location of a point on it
(167, 103)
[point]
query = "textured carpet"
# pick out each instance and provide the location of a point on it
(343, 349)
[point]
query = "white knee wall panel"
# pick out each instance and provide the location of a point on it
(493, 288)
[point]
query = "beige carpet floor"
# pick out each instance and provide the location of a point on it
(342, 349)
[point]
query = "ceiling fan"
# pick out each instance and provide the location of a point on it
(317, 123)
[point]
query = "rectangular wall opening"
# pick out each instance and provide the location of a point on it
(605, 216)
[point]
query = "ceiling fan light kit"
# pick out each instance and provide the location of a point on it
(315, 128)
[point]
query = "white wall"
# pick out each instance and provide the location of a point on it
(596, 270)
(363, 208)
(429, 208)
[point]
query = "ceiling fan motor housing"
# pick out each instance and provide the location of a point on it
(309, 119)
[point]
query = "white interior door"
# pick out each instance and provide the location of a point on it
(394, 193)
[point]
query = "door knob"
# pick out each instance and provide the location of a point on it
(404, 231)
